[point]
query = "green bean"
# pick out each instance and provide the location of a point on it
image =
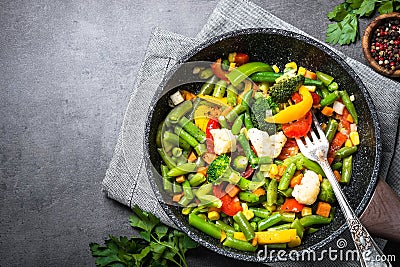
(184, 201)
(223, 226)
(314, 219)
(313, 166)
(349, 105)
(248, 197)
(204, 190)
(281, 200)
(247, 121)
(177, 152)
(210, 201)
(236, 76)
(244, 143)
(182, 169)
(319, 92)
(180, 160)
(288, 216)
(231, 95)
(187, 190)
(186, 136)
(237, 125)
(222, 121)
(225, 64)
(299, 227)
(219, 89)
(329, 99)
(166, 158)
(240, 163)
(286, 177)
(244, 225)
(246, 100)
(179, 111)
(239, 244)
(204, 226)
(192, 129)
(284, 226)
(175, 140)
(346, 151)
(197, 179)
(312, 230)
(167, 184)
(333, 86)
(256, 219)
(346, 169)
(260, 212)
(200, 149)
(337, 165)
(325, 92)
(324, 78)
(265, 76)
(272, 193)
(264, 160)
(236, 227)
(331, 129)
(196, 104)
(208, 86)
(236, 111)
(243, 183)
(159, 134)
(253, 225)
(287, 192)
(206, 73)
(292, 159)
(270, 221)
(176, 188)
(308, 81)
(166, 145)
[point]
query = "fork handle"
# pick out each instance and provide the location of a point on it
(368, 251)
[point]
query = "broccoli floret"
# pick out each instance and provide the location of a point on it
(326, 193)
(259, 112)
(218, 167)
(283, 90)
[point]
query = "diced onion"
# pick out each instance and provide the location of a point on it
(353, 127)
(177, 98)
(352, 98)
(338, 107)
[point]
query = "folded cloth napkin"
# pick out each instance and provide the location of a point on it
(126, 179)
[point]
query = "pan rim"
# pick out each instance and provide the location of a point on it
(376, 129)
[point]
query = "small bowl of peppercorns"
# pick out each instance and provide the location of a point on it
(381, 44)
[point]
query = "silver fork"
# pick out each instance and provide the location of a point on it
(317, 150)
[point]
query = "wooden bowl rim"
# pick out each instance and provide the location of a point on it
(366, 40)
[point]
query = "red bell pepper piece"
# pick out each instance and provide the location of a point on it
(230, 205)
(212, 124)
(296, 97)
(344, 123)
(291, 204)
(337, 142)
(218, 71)
(315, 98)
(248, 172)
(298, 128)
(241, 59)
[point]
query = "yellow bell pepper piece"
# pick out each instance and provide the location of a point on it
(280, 236)
(239, 236)
(201, 117)
(294, 242)
(218, 101)
(355, 138)
(223, 236)
(294, 112)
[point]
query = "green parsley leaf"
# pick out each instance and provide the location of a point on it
(338, 13)
(366, 8)
(354, 4)
(386, 7)
(344, 32)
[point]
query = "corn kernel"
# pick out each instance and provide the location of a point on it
(291, 65)
(213, 215)
(273, 170)
(320, 177)
(306, 211)
(232, 66)
(348, 143)
(349, 118)
(355, 138)
(275, 68)
(249, 214)
(231, 57)
(223, 236)
(301, 71)
(180, 179)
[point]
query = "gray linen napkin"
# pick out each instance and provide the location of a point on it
(126, 179)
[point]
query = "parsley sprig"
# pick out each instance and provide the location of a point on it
(157, 246)
(344, 29)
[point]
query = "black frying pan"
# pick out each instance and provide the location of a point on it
(276, 47)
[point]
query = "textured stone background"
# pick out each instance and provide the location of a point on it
(66, 73)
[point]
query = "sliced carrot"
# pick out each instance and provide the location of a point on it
(327, 111)
(310, 75)
(202, 170)
(323, 209)
(254, 242)
(337, 175)
(259, 192)
(232, 190)
(281, 170)
(192, 157)
(349, 118)
(296, 179)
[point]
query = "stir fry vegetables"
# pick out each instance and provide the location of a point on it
(230, 158)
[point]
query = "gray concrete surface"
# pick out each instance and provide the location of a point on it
(66, 73)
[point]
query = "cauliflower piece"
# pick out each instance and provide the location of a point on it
(307, 191)
(224, 141)
(266, 145)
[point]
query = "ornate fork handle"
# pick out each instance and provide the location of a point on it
(368, 252)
